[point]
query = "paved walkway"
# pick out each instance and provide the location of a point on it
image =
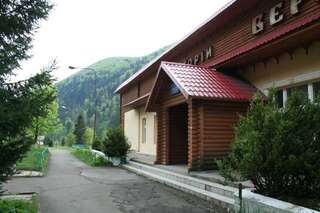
(71, 186)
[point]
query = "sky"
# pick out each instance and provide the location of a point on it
(82, 32)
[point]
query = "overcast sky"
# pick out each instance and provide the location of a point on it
(81, 32)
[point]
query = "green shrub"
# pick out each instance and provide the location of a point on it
(48, 142)
(115, 144)
(278, 149)
(90, 158)
(97, 145)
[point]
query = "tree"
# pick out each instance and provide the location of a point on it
(79, 130)
(88, 136)
(19, 103)
(19, 19)
(49, 123)
(115, 143)
(70, 139)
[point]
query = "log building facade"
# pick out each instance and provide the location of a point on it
(183, 106)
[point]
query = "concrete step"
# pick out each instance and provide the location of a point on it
(220, 195)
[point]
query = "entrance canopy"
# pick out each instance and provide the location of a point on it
(200, 82)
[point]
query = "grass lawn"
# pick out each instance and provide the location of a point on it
(35, 160)
(19, 206)
(89, 158)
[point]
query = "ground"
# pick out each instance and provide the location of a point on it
(71, 186)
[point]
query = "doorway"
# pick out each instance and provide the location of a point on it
(178, 134)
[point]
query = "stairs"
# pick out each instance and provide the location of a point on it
(222, 196)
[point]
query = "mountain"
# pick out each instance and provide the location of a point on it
(75, 94)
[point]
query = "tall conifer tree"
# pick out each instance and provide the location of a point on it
(80, 129)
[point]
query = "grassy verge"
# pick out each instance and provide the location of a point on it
(35, 160)
(89, 158)
(19, 206)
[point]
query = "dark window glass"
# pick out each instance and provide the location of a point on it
(173, 89)
(303, 89)
(279, 98)
(316, 89)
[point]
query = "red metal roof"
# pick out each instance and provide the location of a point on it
(201, 82)
(266, 39)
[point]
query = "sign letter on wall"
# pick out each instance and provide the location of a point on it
(294, 6)
(201, 57)
(275, 14)
(257, 24)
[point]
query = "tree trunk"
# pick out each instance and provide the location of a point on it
(36, 133)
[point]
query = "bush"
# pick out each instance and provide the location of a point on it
(278, 149)
(70, 139)
(48, 142)
(97, 145)
(63, 142)
(90, 158)
(115, 144)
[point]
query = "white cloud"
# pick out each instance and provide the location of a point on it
(81, 32)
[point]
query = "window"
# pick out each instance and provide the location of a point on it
(308, 90)
(144, 130)
(316, 89)
(303, 89)
(155, 129)
(279, 98)
(173, 89)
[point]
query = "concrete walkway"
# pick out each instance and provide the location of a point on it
(71, 186)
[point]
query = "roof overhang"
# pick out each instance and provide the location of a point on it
(199, 82)
(138, 102)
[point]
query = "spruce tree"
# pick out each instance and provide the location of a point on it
(19, 104)
(79, 130)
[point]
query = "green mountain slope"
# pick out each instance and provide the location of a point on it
(75, 94)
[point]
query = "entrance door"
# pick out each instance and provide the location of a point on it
(178, 134)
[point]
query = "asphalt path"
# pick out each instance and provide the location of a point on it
(70, 186)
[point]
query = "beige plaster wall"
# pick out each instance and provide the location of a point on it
(150, 146)
(303, 66)
(133, 130)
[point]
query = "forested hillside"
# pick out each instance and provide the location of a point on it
(75, 94)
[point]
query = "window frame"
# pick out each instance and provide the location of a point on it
(144, 130)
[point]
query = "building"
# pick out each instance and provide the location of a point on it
(183, 106)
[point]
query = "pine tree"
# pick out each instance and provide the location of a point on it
(79, 130)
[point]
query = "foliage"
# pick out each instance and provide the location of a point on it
(97, 144)
(48, 142)
(20, 102)
(115, 143)
(70, 139)
(79, 130)
(88, 136)
(90, 158)
(35, 160)
(278, 148)
(75, 93)
(19, 19)
(63, 142)
(49, 123)
(19, 206)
